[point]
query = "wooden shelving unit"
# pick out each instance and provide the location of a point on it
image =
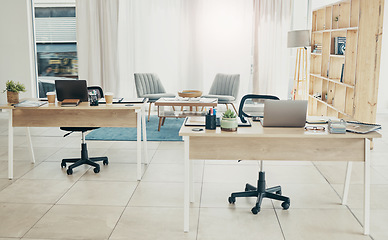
(355, 98)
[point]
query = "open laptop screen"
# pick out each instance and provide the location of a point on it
(285, 113)
(71, 89)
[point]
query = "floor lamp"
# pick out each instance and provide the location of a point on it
(299, 39)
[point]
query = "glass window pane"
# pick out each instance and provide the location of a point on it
(56, 44)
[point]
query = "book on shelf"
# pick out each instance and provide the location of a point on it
(70, 102)
(342, 73)
(359, 127)
(339, 45)
(317, 48)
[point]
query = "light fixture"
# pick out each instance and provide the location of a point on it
(299, 39)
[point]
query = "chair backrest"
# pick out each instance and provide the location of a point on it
(242, 114)
(45, 87)
(148, 83)
(225, 85)
(98, 89)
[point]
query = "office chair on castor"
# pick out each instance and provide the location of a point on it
(85, 159)
(260, 191)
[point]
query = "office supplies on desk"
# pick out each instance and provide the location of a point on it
(337, 126)
(211, 120)
(284, 113)
(29, 103)
(70, 102)
(124, 100)
(358, 127)
(71, 89)
(201, 122)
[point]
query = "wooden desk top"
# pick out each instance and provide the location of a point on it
(82, 105)
(257, 130)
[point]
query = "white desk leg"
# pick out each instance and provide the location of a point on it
(145, 147)
(367, 187)
(192, 181)
(347, 183)
(28, 133)
(10, 145)
(186, 201)
(138, 127)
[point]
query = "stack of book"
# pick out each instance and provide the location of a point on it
(317, 48)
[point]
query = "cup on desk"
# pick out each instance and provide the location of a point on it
(109, 98)
(51, 97)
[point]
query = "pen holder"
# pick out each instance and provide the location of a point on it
(210, 122)
(93, 99)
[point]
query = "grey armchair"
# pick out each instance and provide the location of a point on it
(148, 85)
(225, 89)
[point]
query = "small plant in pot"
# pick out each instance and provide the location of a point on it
(229, 121)
(12, 88)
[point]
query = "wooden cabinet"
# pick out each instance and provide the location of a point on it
(346, 86)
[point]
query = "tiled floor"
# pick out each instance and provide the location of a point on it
(43, 202)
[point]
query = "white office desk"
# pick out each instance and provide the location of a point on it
(292, 144)
(83, 115)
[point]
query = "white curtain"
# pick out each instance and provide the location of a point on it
(270, 53)
(103, 42)
(185, 42)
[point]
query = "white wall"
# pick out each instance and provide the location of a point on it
(16, 57)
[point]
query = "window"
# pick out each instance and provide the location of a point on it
(56, 43)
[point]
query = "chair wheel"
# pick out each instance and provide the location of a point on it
(105, 162)
(285, 205)
(279, 192)
(69, 171)
(96, 170)
(255, 210)
(63, 165)
(231, 200)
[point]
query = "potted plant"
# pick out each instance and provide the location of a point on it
(229, 121)
(12, 88)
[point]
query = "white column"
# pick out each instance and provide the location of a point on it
(138, 127)
(367, 187)
(28, 133)
(186, 198)
(347, 183)
(145, 147)
(10, 145)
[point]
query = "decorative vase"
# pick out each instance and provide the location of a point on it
(229, 124)
(12, 97)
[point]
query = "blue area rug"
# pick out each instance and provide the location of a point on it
(168, 132)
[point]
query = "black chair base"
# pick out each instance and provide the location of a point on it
(84, 160)
(260, 192)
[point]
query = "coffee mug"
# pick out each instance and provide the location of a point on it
(51, 97)
(109, 98)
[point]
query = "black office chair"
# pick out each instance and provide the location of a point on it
(84, 151)
(260, 191)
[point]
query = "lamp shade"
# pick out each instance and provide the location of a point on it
(298, 38)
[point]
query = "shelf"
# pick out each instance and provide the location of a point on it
(337, 56)
(316, 54)
(336, 30)
(330, 106)
(332, 80)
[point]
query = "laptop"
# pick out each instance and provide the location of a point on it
(71, 89)
(284, 113)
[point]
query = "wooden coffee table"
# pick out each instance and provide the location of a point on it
(198, 103)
